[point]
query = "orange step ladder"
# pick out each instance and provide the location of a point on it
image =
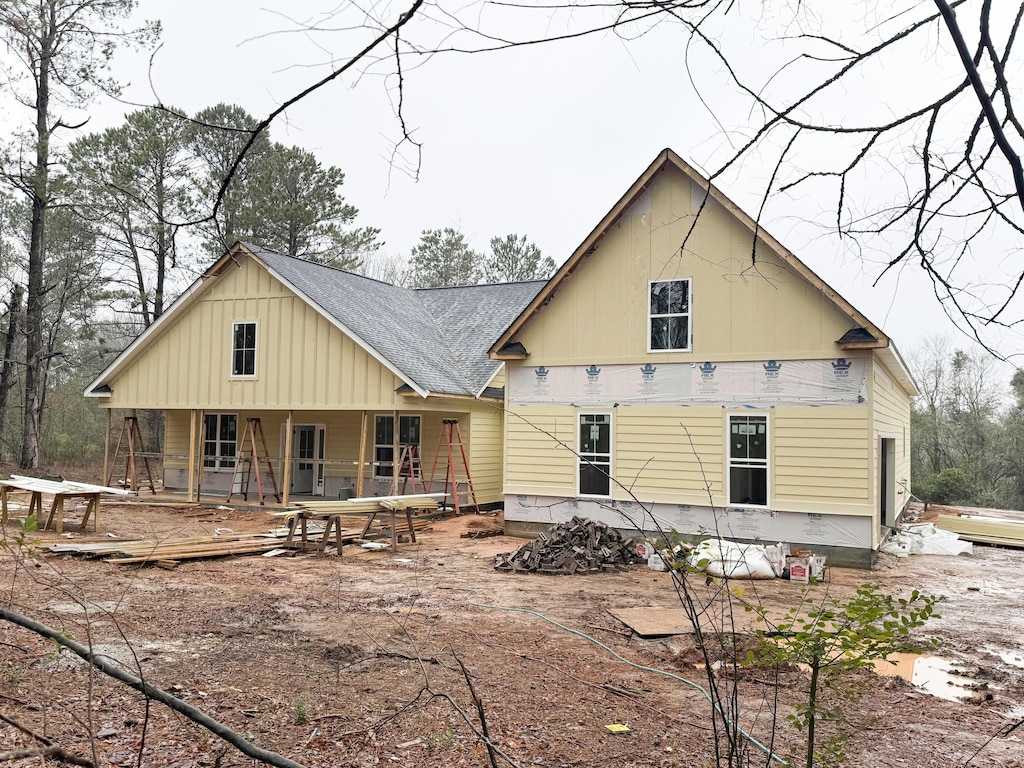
(450, 437)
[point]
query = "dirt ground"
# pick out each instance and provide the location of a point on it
(355, 661)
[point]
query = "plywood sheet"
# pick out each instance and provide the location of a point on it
(654, 621)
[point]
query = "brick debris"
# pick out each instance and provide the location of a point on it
(578, 546)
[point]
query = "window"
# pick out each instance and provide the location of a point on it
(243, 349)
(220, 440)
(383, 441)
(595, 454)
(748, 460)
(670, 315)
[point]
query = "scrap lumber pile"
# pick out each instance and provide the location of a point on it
(171, 551)
(578, 546)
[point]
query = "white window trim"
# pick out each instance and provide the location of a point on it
(611, 452)
(218, 459)
(688, 314)
(255, 351)
(767, 461)
(377, 445)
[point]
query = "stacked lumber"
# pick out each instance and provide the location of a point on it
(135, 552)
(578, 546)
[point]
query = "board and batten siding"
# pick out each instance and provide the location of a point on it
(740, 310)
(301, 357)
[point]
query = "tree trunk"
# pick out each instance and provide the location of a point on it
(37, 250)
(7, 368)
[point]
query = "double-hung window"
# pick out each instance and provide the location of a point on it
(220, 440)
(669, 318)
(383, 441)
(748, 460)
(595, 454)
(243, 349)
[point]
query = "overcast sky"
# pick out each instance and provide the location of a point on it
(539, 140)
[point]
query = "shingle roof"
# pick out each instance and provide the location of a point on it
(437, 338)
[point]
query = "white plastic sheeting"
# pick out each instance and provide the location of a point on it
(925, 539)
(838, 381)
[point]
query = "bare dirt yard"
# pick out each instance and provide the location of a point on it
(355, 661)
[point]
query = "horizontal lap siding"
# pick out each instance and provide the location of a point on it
(485, 458)
(820, 454)
(891, 412)
(535, 461)
(655, 458)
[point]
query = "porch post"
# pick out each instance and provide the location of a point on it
(394, 453)
(191, 453)
(286, 475)
(361, 469)
(106, 450)
(200, 441)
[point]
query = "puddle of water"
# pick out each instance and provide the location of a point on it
(931, 674)
(1013, 658)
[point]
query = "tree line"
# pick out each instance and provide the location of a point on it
(967, 428)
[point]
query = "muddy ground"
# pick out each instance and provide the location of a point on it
(355, 661)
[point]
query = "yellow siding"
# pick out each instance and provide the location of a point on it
(819, 457)
(301, 356)
(654, 455)
(740, 311)
(485, 457)
(480, 430)
(536, 460)
(891, 414)
(671, 455)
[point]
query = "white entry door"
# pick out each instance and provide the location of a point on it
(308, 459)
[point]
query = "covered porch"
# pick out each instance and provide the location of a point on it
(333, 454)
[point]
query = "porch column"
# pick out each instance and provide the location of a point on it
(201, 452)
(361, 469)
(394, 453)
(106, 450)
(191, 453)
(286, 475)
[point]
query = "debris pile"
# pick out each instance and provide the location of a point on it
(578, 546)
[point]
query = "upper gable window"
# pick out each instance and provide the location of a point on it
(669, 319)
(243, 349)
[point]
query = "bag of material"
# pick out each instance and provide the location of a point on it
(722, 558)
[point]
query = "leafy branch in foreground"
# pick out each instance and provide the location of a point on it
(832, 639)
